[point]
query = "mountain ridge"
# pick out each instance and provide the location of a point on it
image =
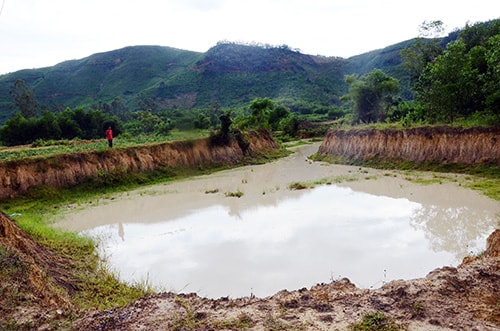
(228, 74)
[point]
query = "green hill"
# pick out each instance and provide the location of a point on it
(229, 74)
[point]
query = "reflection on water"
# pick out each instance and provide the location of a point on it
(318, 236)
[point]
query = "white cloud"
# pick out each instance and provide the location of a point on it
(36, 33)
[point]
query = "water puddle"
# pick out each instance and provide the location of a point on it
(182, 238)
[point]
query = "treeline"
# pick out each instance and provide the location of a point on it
(464, 79)
(91, 124)
(458, 83)
(69, 124)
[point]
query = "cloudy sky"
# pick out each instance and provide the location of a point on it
(37, 33)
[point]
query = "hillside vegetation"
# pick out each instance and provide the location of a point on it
(228, 74)
(429, 80)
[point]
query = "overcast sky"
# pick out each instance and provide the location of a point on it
(38, 33)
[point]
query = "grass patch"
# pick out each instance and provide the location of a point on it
(57, 147)
(11, 264)
(488, 186)
(236, 194)
(376, 321)
(484, 177)
(213, 191)
(272, 323)
(188, 320)
(241, 322)
(323, 181)
(101, 289)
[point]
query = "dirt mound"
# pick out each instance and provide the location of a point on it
(35, 284)
(462, 298)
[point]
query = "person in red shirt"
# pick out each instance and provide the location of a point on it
(109, 136)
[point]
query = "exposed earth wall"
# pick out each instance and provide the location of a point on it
(418, 145)
(16, 177)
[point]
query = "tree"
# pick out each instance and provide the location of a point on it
(424, 49)
(16, 129)
(372, 94)
(277, 115)
(68, 125)
(48, 126)
(260, 109)
(148, 104)
(148, 121)
(201, 121)
(223, 135)
(464, 79)
(493, 75)
(24, 99)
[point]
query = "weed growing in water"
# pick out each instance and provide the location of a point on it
(237, 194)
(216, 190)
(298, 186)
(324, 181)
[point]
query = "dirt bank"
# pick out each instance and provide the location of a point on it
(35, 284)
(426, 144)
(16, 177)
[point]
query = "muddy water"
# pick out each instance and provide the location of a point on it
(372, 227)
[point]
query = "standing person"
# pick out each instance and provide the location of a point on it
(109, 136)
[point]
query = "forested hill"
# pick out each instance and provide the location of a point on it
(228, 74)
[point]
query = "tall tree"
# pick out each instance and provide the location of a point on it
(424, 49)
(372, 94)
(493, 75)
(464, 79)
(260, 109)
(24, 99)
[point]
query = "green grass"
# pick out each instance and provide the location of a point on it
(483, 177)
(236, 194)
(377, 321)
(323, 181)
(58, 147)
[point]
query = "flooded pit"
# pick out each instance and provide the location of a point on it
(189, 236)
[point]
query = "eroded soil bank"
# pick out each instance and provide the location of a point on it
(16, 177)
(425, 144)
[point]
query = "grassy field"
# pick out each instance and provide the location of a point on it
(48, 148)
